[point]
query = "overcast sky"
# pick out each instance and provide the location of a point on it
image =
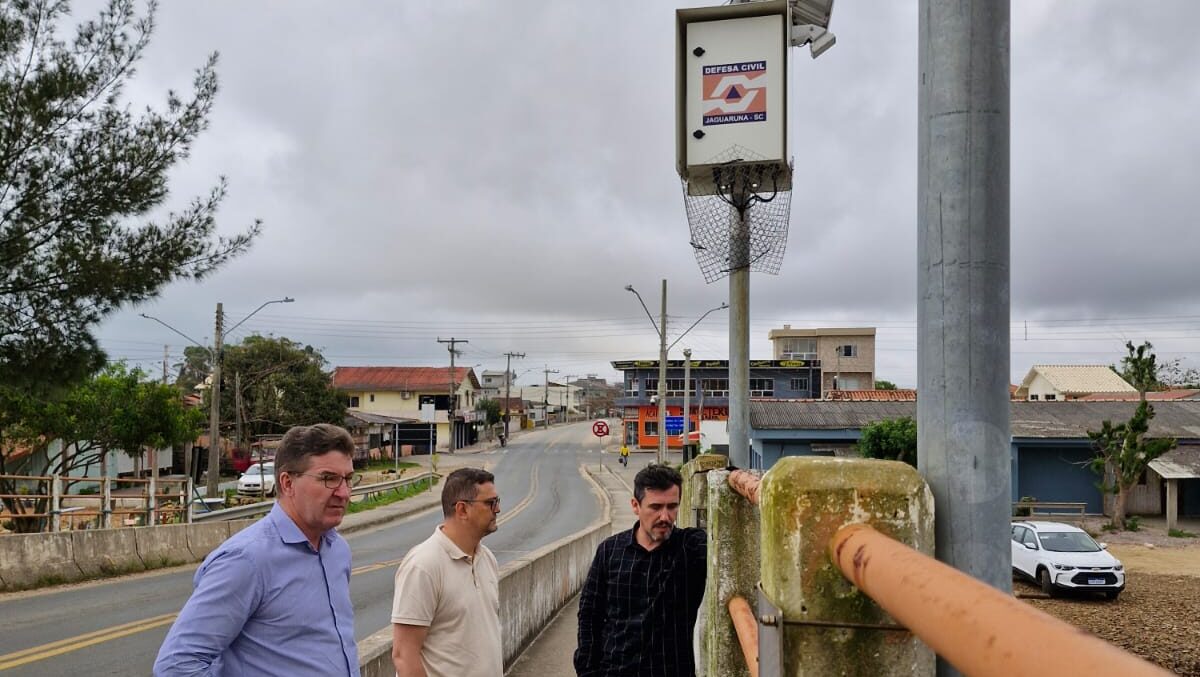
(499, 171)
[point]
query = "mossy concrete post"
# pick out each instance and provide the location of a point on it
(693, 498)
(733, 569)
(804, 501)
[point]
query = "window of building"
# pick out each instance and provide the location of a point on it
(631, 388)
(847, 350)
(1051, 396)
(675, 387)
(1033, 398)
(651, 386)
(716, 387)
(652, 428)
(795, 348)
(352, 401)
(762, 387)
(371, 397)
(800, 384)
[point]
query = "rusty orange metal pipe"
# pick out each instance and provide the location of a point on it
(747, 631)
(978, 629)
(746, 484)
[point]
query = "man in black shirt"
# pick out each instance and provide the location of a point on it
(643, 590)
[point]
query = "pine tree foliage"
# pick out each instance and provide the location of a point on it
(1123, 452)
(81, 177)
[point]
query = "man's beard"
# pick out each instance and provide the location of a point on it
(655, 538)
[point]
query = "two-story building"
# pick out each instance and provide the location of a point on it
(847, 354)
(400, 392)
(709, 392)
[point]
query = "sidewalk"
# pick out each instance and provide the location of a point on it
(553, 650)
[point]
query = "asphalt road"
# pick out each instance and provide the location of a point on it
(115, 627)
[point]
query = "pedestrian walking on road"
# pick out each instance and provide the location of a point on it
(643, 590)
(446, 609)
(274, 599)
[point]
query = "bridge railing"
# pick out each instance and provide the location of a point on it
(53, 503)
(846, 583)
(263, 507)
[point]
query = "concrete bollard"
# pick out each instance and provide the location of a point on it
(693, 500)
(733, 569)
(804, 501)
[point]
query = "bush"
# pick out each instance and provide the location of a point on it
(1180, 533)
(1133, 523)
(1024, 511)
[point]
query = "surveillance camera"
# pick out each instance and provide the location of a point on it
(817, 38)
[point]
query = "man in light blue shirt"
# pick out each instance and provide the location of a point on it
(274, 599)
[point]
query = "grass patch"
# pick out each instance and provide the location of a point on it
(390, 497)
(1180, 533)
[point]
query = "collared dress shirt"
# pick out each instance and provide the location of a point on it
(267, 603)
(638, 606)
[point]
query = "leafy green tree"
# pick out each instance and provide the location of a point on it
(891, 439)
(492, 411)
(80, 174)
(1123, 451)
(117, 409)
(885, 385)
(283, 384)
(194, 369)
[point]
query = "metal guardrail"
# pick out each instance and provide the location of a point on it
(1036, 509)
(263, 507)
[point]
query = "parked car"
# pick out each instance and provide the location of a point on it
(259, 479)
(1062, 557)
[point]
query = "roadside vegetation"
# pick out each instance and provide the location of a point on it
(394, 496)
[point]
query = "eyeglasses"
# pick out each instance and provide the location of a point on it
(493, 503)
(333, 480)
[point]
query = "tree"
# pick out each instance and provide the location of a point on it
(195, 368)
(891, 439)
(80, 175)
(283, 384)
(1123, 451)
(885, 385)
(1176, 374)
(492, 411)
(117, 409)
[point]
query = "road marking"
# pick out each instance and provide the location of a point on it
(62, 646)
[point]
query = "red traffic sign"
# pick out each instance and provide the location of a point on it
(600, 428)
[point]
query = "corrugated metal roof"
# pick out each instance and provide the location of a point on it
(1153, 396)
(1078, 379)
(1180, 463)
(411, 379)
(899, 395)
(368, 417)
(1068, 419)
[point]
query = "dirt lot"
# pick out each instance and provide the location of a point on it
(1158, 615)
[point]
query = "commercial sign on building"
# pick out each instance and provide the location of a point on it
(626, 365)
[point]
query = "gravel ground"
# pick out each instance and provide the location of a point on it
(1157, 617)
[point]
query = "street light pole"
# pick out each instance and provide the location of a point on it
(212, 488)
(663, 349)
(687, 391)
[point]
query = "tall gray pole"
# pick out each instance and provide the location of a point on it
(214, 416)
(452, 347)
(687, 391)
(507, 388)
(963, 434)
(739, 342)
(662, 378)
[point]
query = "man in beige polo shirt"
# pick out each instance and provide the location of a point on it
(445, 612)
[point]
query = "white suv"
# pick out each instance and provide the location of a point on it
(1061, 557)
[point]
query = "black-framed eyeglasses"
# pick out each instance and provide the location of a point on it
(333, 480)
(493, 503)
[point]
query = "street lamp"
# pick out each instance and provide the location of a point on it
(663, 348)
(214, 421)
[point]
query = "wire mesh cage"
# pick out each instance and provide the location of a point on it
(745, 223)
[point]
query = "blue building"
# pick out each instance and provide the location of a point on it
(1049, 451)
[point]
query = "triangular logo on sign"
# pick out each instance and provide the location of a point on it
(733, 94)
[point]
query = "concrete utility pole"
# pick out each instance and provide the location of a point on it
(214, 416)
(662, 378)
(963, 277)
(687, 391)
(546, 396)
(739, 343)
(508, 386)
(452, 342)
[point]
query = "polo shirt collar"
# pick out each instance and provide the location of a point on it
(288, 531)
(448, 546)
